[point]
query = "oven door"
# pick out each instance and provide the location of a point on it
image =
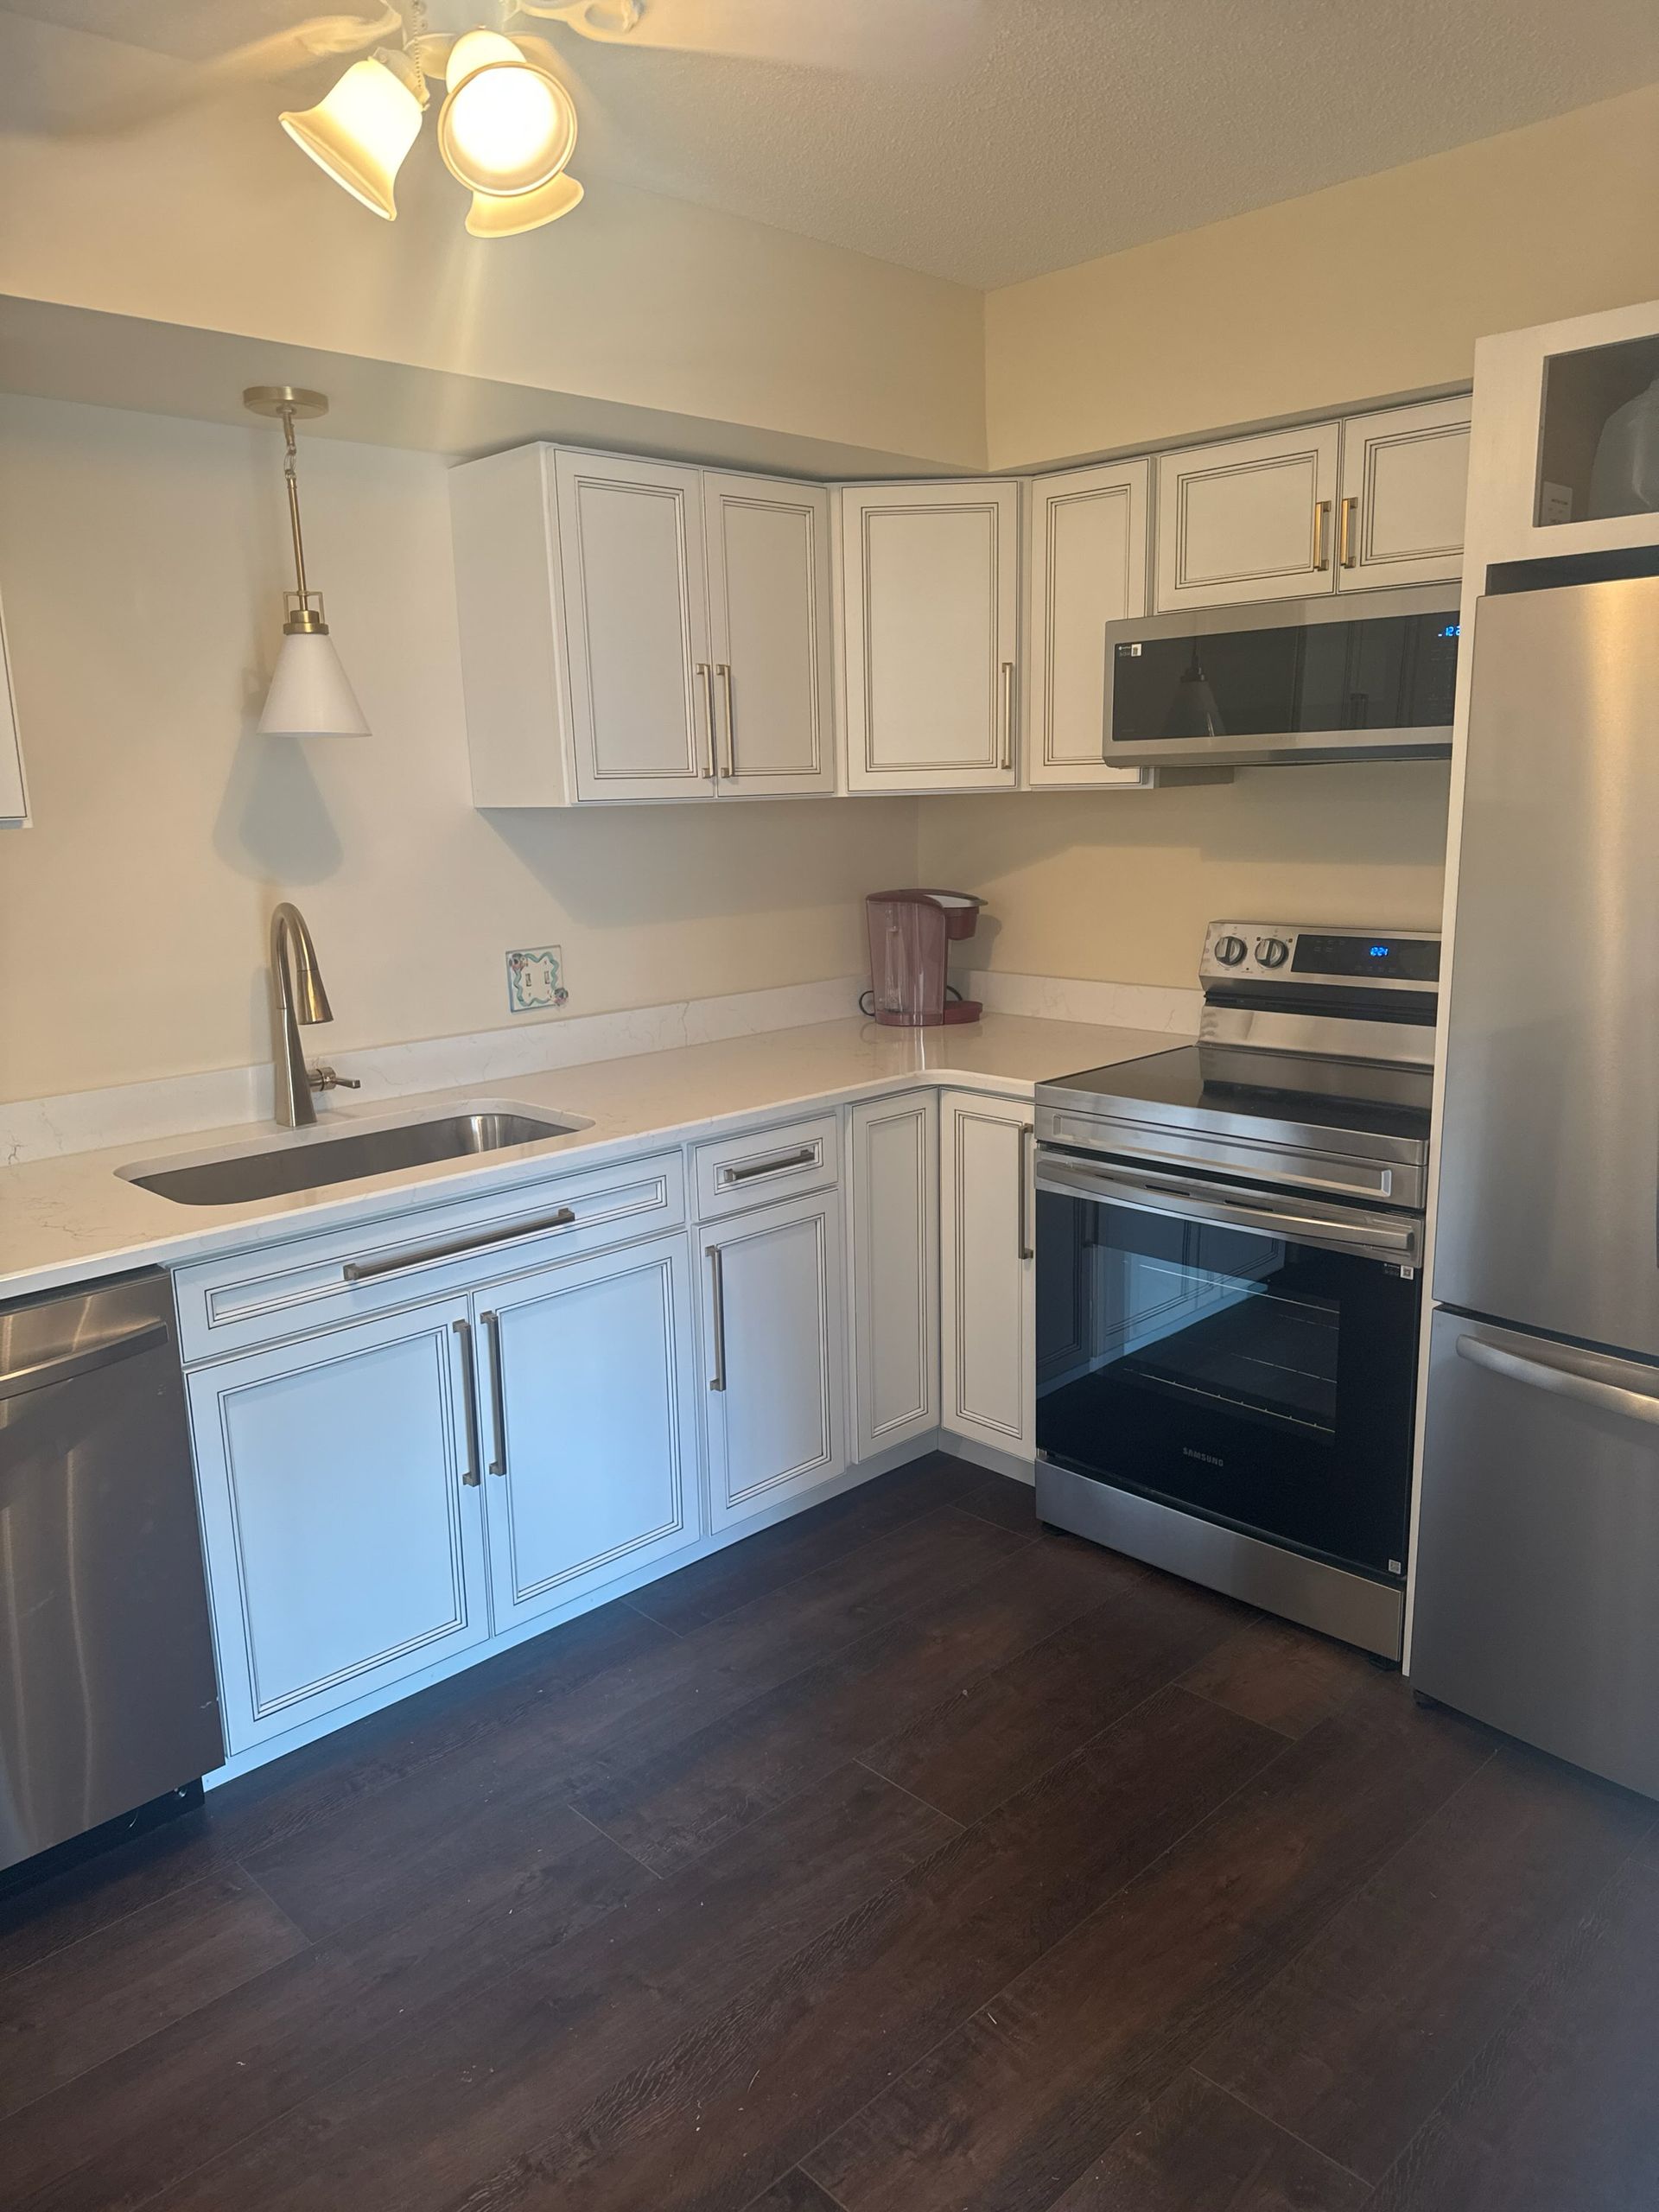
(1243, 1356)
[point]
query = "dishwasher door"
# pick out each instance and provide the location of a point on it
(108, 1694)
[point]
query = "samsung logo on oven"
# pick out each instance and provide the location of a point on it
(1208, 1458)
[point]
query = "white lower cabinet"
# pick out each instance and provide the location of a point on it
(895, 1270)
(590, 1424)
(988, 1280)
(341, 1515)
(772, 1344)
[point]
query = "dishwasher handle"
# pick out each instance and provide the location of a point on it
(85, 1359)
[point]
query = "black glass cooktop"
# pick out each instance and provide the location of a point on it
(1218, 1081)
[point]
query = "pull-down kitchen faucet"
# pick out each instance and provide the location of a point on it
(297, 995)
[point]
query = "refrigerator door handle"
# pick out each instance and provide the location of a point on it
(1563, 1381)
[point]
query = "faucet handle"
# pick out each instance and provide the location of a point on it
(324, 1078)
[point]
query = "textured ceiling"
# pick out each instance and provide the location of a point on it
(1029, 134)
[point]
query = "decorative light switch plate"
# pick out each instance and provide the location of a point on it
(535, 979)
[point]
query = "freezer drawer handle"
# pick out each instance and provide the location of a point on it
(1560, 1381)
(86, 1361)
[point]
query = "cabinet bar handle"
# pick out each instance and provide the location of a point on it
(456, 1247)
(1321, 523)
(1007, 714)
(807, 1156)
(469, 1394)
(717, 1291)
(498, 1393)
(724, 671)
(1346, 552)
(1028, 1249)
(706, 682)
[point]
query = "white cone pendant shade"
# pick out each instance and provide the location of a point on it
(360, 133)
(507, 127)
(310, 694)
(526, 210)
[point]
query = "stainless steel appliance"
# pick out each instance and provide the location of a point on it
(1228, 1240)
(108, 1697)
(1317, 680)
(1537, 1597)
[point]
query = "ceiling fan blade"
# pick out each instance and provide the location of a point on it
(851, 36)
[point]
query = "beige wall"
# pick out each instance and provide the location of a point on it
(1119, 885)
(142, 564)
(1371, 290)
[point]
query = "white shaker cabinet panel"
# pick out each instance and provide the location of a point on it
(340, 1515)
(773, 1352)
(930, 612)
(1405, 482)
(590, 1435)
(986, 1243)
(1251, 518)
(895, 1275)
(1088, 542)
(770, 637)
(636, 627)
(14, 800)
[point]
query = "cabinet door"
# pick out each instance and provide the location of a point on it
(1088, 568)
(636, 626)
(591, 1464)
(1249, 519)
(773, 1348)
(769, 546)
(341, 1512)
(986, 1248)
(14, 803)
(895, 1276)
(930, 610)
(1405, 480)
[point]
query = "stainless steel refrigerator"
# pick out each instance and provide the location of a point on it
(1537, 1604)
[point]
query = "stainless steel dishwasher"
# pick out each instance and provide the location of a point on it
(109, 1701)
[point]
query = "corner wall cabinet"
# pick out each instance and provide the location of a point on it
(988, 1321)
(1088, 543)
(13, 798)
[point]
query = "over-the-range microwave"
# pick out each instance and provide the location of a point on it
(1295, 680)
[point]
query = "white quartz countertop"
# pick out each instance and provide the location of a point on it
(66, 1220)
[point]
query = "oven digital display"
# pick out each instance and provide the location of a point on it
(1411, 960)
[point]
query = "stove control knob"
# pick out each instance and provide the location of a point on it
(1273, 953)
(1230, 950)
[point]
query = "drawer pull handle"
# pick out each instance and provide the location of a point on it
(457, 1247)
(807, 1156)
(498, 1391)
(469, 1397)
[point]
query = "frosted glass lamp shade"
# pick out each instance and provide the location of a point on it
(525, 211)
(310, 694)
(360, 132)
(507, 127)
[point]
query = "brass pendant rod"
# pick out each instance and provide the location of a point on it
(293, 482)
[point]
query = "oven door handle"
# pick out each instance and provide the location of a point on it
(1365, 1234)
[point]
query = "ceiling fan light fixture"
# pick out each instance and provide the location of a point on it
(507, 127)
(360, 133)
(491, 217)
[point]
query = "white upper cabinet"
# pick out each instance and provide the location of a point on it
(1405, 480)
(14, 800)
(1088, 546)
(770, 639)
(1249, 519)
(930, 613)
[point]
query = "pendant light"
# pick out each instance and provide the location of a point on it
(359, 133)
(310, 694)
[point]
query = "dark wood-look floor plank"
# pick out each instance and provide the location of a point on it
(673, 1808)
(732, 2105)
(448, 2097)
(1559, 2112)
(84, 1899)
(1198, 2150)
(61, 2016)
(1012, 1725)
(1011, 1504)
(794, 2192)
(1353, 2045)
(1007, 2110)
(1286, 1678)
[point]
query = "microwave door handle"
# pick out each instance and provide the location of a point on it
(1374, 1239)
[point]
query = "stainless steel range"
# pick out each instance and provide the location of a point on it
(1228, 1241)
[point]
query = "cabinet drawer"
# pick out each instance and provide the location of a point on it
(761, 1165)
(302, 1283)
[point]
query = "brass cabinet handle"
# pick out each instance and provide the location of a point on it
(498, 1393)
(1346, 551)
(706, 683)
(1007, 714)
(469, 1395)
(717, 1294)
(1028, 1249)
(1321, 522)
(723, 670)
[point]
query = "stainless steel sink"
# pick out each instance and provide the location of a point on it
(311, 1163)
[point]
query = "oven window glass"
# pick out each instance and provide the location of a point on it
(1248, 1377)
